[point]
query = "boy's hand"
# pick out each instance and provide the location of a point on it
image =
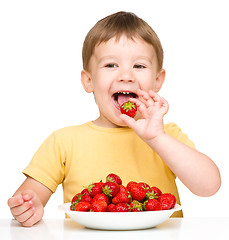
(152, 108)
(26, 208)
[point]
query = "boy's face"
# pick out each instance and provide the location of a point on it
(116, 70)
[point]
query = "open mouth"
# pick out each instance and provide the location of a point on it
(122, 97)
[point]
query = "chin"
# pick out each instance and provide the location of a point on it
(119, 123)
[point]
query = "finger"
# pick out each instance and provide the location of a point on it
(164, 105)
(130, 122)
(140, 105)
(155, 96)
(15, 201)
(25, 215)
(21, 209)
(33, 219)
(148, 100)
(27, 196)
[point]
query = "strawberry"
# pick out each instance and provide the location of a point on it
(123, 188)
(85, 196)
(137, 192)
(99, 206)
(122, 207)
(167, 201)
(129, 184)
(136, 206)
(145, 186)
(153, 192)
(79, 197)
(129, 109)
(110, 189)
(83, 206)
(75, 198)
(111, 208)
(95, 188)
(122, 197)
(85, 191)
(113, 178)
(100, 196)
(151, 205)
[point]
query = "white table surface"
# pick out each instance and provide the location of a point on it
(173, 228)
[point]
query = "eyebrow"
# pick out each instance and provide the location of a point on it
(145, 58)
(104, 58)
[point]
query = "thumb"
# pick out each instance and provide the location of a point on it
(130, 122)
(27, 195)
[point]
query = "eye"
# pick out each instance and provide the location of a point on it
(111, 65)
(139, 66)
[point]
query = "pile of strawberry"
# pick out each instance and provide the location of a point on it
(112, 196)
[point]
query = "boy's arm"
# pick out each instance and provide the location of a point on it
(196, 170)
(27, 204)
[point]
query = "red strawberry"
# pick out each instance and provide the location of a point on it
(128, 186)
(122, 197)
(129, 109)
(123, 188)
(110, 189)
(80, 198)
(113, 178)
(83, 206)
(75, 198)
(167, 201)
(84, 196)
(100, 196)
(152, 205)
(95, 188)
(136, 206)
(99, 206)
(145, 186)
(111, 208)
(153, 192)
(85, 191)
(137, 192)
(122, 207)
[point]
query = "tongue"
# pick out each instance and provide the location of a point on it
(122, 98)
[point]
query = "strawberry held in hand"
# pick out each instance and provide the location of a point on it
(129, 109)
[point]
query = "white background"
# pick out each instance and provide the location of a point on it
(40, 89)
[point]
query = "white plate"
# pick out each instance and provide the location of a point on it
(119, 220)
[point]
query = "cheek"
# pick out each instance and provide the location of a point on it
(148, 82)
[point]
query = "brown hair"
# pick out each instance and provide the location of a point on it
(116, 25)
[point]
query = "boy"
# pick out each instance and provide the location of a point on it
(122, 60)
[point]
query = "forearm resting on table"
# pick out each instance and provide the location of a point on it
(196, 170)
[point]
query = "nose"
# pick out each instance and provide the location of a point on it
(126, 75)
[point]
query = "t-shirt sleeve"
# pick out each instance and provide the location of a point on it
(175, 131)
(48, 163)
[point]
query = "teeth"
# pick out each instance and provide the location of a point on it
(124, 92)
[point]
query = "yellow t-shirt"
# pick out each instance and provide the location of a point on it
(80, 155)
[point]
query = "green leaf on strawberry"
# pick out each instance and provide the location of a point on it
(129, 109)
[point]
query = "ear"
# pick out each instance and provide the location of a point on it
(160, 78)
(86, 81)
